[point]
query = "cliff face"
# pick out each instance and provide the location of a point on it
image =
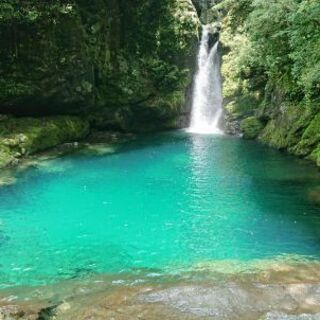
(67, 67)
(123, 64)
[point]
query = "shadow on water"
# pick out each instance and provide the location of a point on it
(62, 163)
(151, 140)
(270, 176)
(279, 184)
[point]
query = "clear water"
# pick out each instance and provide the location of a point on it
(161, 203)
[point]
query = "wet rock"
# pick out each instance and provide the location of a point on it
(283, 316)
(47, 313)
(274, 290)
(232, 119)
(232, 127)
(183, 121)
(11, 312)
(239, 301)
(65, 306)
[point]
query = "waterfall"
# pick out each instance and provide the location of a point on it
(207, 93)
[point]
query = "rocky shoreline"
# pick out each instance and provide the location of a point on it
(59, 136)
(276, 291)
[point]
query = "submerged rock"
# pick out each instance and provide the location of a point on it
(236, 301)
(269, 291)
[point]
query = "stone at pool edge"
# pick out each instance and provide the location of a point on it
(21, 137)
(96, 143)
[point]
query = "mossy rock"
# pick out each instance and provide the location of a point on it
(315, 155)
(310, 138)
(24, 136)
(285, 129)
(274, 135)
(251, 127)
(6, 156)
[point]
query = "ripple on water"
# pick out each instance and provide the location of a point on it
(195, 211)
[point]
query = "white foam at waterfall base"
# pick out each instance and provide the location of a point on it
(207, 93)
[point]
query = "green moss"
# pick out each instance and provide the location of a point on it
(274, 136)
(312, 133)
(276, 79)
(243, 84)
(296, 129)
(6, 156)
(24, 136)
(315, 155)
(310, 138)
(285, 129)
(251, 127)
(160, 112)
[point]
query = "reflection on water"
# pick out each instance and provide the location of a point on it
(253, 196)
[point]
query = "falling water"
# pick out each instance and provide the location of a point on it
(207, 95)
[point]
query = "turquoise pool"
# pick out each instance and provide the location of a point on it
(161, 204)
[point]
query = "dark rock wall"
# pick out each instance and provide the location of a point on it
(123, 64)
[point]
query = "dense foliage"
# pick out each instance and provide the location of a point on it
(108, 59)
(272, 72)
(278, 50)
(81, 65)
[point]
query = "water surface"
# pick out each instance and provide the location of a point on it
(161, 204)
